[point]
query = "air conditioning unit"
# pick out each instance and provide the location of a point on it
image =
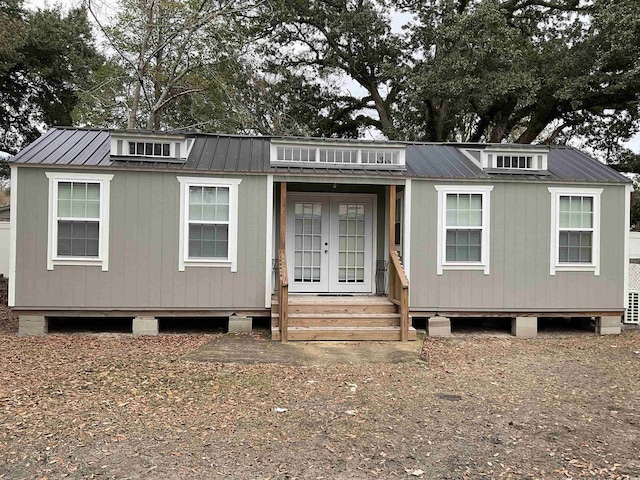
(633, 305)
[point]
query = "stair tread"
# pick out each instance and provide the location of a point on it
(343, 315)
(346, 300)
(354, 328)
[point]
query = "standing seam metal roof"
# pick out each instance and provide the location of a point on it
(246, 154)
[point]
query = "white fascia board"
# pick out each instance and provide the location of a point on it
(325, 143)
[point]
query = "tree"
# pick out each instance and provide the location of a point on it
(46, 57)
(522, 71)
(173, 62)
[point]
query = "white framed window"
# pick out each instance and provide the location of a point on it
(150, 149)
(519, 160)
(208, 222)
(575, 229)
(463, 227)
(78, 231)
(361, 155)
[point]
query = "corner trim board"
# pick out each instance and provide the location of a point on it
(627, 228)
(13, 222)
(406, 248)
(269, 243)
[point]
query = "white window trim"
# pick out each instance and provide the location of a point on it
(172, 148)
(555, 265)
(400, 148)
(490, 159)
(104, 180)
(484, 263)
(232, 259)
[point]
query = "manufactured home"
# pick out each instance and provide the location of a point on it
(331, 239)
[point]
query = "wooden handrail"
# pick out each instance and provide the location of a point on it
(283, 294)
(399, 292)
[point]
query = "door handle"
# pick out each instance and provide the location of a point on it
(326, 251)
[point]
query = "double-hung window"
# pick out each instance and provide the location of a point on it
(208, 222)
(78, 219)
(575, 229)
(463, 228)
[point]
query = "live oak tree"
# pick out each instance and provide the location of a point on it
(523, 71)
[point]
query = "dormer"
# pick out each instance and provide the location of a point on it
(510, 158)
(152, 147)
(337, 154)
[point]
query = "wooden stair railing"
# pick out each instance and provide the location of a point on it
(283, 294)
(399, 292)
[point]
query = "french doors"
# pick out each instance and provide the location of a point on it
(330, 243)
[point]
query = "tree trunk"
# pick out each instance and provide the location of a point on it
(141, 69)
(387, 126)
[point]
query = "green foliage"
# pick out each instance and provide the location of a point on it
(49, 58)
(472, 70)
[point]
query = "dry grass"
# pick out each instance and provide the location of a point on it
(114, 406)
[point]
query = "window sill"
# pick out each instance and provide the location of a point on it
(85, 262)
(464, 266)
(576, 267)
(208, 263)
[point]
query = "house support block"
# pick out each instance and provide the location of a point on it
(240, 324)
(145, 326)
(33, 325)
(439, 327)
(608, 325)
(524, 327)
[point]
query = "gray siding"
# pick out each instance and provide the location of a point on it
(143, 267)
(519, 276)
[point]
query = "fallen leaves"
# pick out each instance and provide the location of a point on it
(83, 406)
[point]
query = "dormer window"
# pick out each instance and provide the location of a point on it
(509, 158)
(356, 154)
(150, 149)
(514, 161)
(380, 157)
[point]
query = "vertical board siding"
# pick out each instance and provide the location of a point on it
(143, 247)
(519, 276)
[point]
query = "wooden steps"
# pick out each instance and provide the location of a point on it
(356, 318)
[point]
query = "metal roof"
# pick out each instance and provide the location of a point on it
(250, 154)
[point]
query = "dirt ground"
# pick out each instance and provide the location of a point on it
(114, 406)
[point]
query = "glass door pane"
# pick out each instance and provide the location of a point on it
(351, 254)
(351, 244)
(307, 242)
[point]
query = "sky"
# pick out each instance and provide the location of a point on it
(397, 21)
